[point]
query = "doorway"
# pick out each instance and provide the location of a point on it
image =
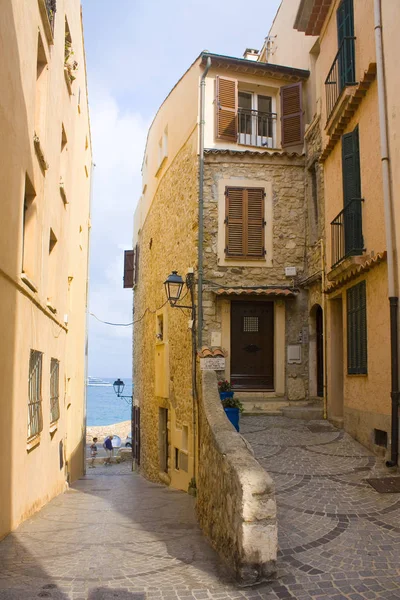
(319, 326)
(252, 345)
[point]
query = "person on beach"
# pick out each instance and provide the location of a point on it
(93, 453)
(109, 449)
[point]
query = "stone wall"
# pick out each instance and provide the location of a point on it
(285, 175)
(168, 241)
(238, 515)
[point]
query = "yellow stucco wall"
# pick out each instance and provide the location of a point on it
(30, 475)
(167, 242)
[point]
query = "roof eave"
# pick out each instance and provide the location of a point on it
(311, 16)
(256, 68)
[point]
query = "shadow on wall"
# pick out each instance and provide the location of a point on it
(15, 130)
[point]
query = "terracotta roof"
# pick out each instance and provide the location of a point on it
(311, 16)
(357, 271)
(206, 352)
(255, 291)
(252, 153)
(253, 67)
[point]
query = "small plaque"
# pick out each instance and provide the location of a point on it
(290, 271)
(294, 354)
(212, 363)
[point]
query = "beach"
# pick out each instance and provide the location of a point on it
(121, 429)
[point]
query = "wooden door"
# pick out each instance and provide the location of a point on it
(252, 345)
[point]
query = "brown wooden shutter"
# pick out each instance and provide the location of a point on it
(234, 222)
(136, 278)
(129, 268)
(255, 222)
(226, 109)
(245, 222)
(292, 114)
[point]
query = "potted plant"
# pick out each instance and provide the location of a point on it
(225, 389)
(233, 407)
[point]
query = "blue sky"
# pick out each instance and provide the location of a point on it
(136, 50)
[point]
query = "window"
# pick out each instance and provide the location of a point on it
(255, 120)
(244, 223)
(163, 148)
(54, 390)
(353, 237)
(35, 419)
(357, 330)
(29, 220)
(41, 87)
(345, 29)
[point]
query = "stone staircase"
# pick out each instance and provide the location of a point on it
(264, 403)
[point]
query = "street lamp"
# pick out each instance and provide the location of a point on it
(119, 386)
(173, 289)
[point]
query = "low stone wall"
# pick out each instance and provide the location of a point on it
(236, 497)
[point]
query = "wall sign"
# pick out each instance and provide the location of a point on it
(212, 363)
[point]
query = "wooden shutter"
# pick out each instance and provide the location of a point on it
(255, 222)
(226, 109)
(136, 278)
(351, 166)
(245, 222)
(292, 114)
(129, 268)
(357, 330)
(234, 221)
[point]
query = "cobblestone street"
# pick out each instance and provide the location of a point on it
(115, 535)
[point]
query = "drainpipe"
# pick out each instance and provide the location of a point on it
(388, 206)
(324, 329)
(201, 204)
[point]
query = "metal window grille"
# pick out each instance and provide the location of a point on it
(250, 324)
(35, 418)
(54, 390)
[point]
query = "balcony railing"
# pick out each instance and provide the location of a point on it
(51, 7)
(341, 74)
(256, 128)
(346, 232)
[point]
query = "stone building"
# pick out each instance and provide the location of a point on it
(357, 102)
(238, 222)
(45, 172)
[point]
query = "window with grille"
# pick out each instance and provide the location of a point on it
(357, 330)
(35, 419)
(245, 224)
(54, 390)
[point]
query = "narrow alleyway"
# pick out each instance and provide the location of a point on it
(116, 536)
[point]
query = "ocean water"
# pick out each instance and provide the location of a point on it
(103, 405)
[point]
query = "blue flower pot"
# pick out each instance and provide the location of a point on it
(233, 415)
(224, 395)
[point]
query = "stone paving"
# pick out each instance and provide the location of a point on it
(115, 535)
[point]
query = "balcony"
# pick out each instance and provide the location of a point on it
(346, 232)
(256, 128)
(341, 74)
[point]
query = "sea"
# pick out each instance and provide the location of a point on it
(103, 405)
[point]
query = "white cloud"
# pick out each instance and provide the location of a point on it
(118, 142)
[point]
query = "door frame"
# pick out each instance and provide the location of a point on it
(224, 304)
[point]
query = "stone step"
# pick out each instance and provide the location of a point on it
(336, 422)
(259, 405)
(306, 413)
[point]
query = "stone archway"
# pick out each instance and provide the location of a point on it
(316, 352)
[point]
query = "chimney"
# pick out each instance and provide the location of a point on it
(251, 54)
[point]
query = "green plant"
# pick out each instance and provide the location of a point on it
(192, 488)
(232, 403)
(224, 386)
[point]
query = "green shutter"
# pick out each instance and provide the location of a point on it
(357, 363)
(351, 166)
(345, 29)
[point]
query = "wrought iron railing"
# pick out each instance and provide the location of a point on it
(256, 128)
(341, 73)
(346, 232)
(51, 7)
